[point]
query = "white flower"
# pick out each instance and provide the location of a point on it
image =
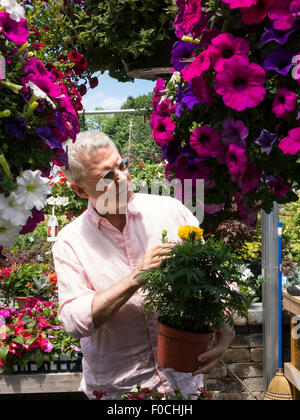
(8, 233)
(51, 200)
(38, 93)
(32, 190)
(12, 211)
(14, 9)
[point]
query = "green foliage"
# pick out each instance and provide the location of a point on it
(191, 290)
(107, 33)
(290, 217)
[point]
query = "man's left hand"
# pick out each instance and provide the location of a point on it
(208, 360)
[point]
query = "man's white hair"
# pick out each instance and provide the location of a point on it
(86, 142)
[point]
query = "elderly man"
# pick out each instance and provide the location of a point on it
(97, 258)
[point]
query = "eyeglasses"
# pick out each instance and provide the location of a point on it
(109, 176)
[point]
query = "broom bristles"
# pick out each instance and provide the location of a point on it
(279, 388)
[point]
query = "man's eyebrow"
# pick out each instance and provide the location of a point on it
(107, 168)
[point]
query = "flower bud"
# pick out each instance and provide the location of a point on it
(5, 113)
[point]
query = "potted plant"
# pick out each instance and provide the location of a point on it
(27, 280)
(109, 33)
(32, 338)
(192, 294)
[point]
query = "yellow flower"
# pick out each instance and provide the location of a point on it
(185, 231)
(29, 285)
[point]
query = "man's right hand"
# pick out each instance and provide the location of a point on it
(153, 258)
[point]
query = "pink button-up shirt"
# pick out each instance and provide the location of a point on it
(90, 256)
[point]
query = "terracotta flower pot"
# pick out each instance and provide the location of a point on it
(179, 349)
(20, 301)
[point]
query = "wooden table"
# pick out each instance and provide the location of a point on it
(292, 369)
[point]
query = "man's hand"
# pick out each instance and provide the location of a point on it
(153, 258)
(208, 360)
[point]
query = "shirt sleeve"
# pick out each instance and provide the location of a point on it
(74, 291)
(187, 216)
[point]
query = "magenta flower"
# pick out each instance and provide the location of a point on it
(256, 13)
(158, 92)
(224, 47)
(163, 131)
(291, 144)
(234, 4)
(249, 214)
(241, 85)
(284, 103)
(284, 14)
(191, 15)
(197, 67)
(278, 187)
(206, 141)
(203, 92)
(250, 179)
(16, 32)
(236, 160)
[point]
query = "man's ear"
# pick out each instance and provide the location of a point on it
(79, 190)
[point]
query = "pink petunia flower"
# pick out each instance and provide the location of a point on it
(191, 15)
(224, 47)
(284, 13)
(257, 12)
(278, 187)
(284, 102)
(234, 4)
(158, 92)
(203, 92)
(206, 141)
(241, 85)
(163, 131)
(291, 144)
(197, 67)
(236, 160)
(16, 32)
(250, 179)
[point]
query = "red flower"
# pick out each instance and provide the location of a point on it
(82, 90)
(75, 56)
(37, 45)
(93, 82)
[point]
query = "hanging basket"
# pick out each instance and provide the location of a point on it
(179, 349)
(153, 66)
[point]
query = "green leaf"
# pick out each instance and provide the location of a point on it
(19, 339)
(39, 358)
(3, 352)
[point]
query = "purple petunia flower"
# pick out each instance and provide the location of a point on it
(291, 144)
(280, 37)
(279, 60)
(16, 32)
(266, 141)
(33, 221)
(236, 160)
(185, 99)
(278, 187)
(48, 137)
(181, 50)
(234, 132)
(15, 127)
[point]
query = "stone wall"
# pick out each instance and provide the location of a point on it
(245, 359)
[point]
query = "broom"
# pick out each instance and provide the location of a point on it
(279, 388)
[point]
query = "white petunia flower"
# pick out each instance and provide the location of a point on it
(8, 233)
(32, 190)
(38, 93)
(12, 211)
(14, 9)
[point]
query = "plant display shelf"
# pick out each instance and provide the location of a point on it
(40, 383)
(292, 369)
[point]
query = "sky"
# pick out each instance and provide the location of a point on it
(111, 94)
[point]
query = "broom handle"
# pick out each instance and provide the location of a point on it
(279, 295)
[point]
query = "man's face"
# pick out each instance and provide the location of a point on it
(107, 183)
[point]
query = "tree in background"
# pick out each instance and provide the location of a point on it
(116, 126)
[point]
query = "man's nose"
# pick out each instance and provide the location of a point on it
(120, 176)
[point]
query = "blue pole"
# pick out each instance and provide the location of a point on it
(280, 365)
